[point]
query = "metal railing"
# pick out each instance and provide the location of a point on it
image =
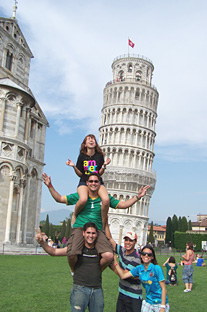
(132, 55)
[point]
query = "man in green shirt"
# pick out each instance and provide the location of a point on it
(90, 213)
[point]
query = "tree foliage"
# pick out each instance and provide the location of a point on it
(151, 237)
(184, 224)
(47, 226)
(175, 224)
(68, 229)
(190, 225)
(63, 230)
(168, 237)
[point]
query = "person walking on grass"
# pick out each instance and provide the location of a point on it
(152, 279)
(87, 289)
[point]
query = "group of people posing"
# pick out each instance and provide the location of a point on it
(91, 248)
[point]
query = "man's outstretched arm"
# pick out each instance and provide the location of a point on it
(50, 250)
(57, 197)
(128, 203)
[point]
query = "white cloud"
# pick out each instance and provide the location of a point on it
(74, 45)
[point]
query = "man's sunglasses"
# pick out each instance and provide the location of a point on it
(93, 181)
(146, 253)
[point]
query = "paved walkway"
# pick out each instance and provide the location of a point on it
(6, 249)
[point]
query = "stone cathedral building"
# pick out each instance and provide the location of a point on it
(22, 139)
(127, 136)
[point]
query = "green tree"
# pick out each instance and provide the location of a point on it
(63, 230)
(184, 224)
(51, 231)
(189, 225)
(151, 237)
(168, 237)
(68, 229)
(180, 224)
(174, 227)
(47, 226)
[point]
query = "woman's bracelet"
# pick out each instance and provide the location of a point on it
(137, 197)
(116, 264)
(50, 185)
(162, 306)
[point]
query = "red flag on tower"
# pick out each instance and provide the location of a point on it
(131, 44)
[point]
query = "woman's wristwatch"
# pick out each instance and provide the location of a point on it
(162, 306)
(104, 167)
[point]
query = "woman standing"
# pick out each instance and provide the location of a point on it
(152, 279)
(188, 258)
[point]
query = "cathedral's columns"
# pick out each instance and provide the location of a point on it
(19, 217)
(19, 105)
(28, 109)
(9, 210)
(26, 210)
(120, 233)
(3, 106)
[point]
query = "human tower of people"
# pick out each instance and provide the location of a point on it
(91, 248)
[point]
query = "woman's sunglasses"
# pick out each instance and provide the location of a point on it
(146, 253)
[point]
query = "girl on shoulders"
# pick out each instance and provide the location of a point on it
(90, 160)
(152, 279)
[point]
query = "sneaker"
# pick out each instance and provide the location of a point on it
(72, 273)
(186, 290)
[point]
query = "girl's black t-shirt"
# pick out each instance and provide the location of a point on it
(89, 164)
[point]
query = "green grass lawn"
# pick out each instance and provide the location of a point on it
(43, 283)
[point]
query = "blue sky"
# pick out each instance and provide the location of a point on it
(74, 44)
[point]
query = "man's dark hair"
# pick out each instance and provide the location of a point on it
(90, 224)
(93, 174)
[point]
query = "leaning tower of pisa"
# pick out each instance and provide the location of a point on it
(127, 136)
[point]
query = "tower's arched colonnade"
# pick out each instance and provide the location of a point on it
(127, 136)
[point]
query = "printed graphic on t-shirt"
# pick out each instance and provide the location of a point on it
(90, 166)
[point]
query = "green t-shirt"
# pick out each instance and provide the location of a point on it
(169, 268)
(92, 210)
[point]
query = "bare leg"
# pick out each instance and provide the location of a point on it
(103, 194)
(107, 258)
(190, 285)
(83, 197)
(72, 260)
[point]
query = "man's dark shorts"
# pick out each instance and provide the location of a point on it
(76, 242)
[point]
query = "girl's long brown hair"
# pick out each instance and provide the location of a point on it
(83, 149)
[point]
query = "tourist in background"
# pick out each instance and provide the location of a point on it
(188, 258)
(171, 274)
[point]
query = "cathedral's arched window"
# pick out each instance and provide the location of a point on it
(9, 58)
